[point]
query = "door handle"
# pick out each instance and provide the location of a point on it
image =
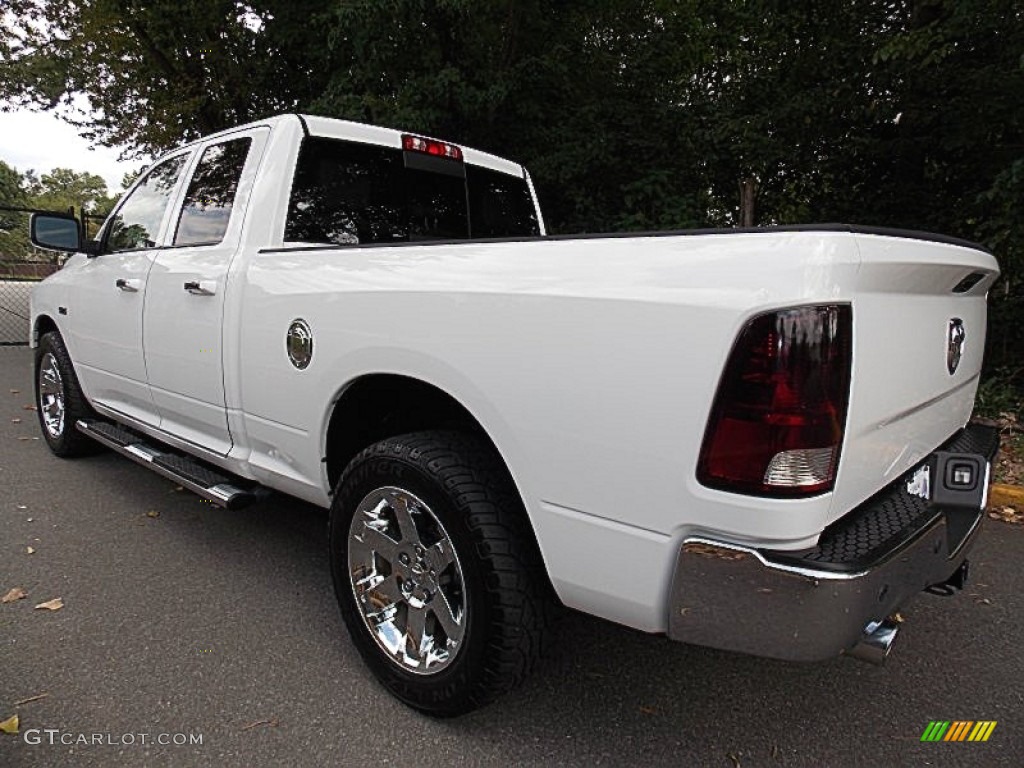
(128, 285)
(201, 287)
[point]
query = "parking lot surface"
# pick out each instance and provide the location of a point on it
(180, 619)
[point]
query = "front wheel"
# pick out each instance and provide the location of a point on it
(438, 576)
(59, 399)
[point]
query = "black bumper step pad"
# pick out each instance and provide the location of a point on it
(884, 522)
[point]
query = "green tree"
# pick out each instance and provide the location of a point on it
(13, 226)
(161, 71)
(62, 189)
(631, 114)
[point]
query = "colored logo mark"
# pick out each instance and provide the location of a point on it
(958, 730)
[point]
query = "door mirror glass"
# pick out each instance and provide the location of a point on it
(55, 233)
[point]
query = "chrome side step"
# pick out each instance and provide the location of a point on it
(186, 471)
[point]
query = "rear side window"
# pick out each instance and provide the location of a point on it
(211, 193)
(345, 193)
(501, 204)
(137, 221)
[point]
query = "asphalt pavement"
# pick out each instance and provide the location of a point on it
(181, 620)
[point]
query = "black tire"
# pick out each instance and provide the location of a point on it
(504, 587)
(68, 442)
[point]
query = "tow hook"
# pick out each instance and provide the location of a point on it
(950, 586)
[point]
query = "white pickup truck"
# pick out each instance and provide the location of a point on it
(752, 440)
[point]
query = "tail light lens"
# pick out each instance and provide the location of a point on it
(777, 423)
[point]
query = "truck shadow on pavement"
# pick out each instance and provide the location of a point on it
(229, 618)
(617, 694)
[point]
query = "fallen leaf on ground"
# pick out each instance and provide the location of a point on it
(37, 697)
(52, 605)
(897, 617)
(10, 725)
(14, 593)
(152, 513)
(273, 723)
(648, 710)
(983, 601)
(735, 760)
(30, 550)
(1008, 515)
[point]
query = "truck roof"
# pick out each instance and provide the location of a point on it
(334, 128)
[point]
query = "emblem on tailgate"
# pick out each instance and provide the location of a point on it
(955, 344)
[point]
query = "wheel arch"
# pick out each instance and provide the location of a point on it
(375, 406)
(42, 325)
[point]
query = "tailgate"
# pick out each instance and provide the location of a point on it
(919, 316)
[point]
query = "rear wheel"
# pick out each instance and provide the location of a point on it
(436, 571)
(59, 399)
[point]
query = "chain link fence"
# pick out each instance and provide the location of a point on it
(16, 282)
(21, 267)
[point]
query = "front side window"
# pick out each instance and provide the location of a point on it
(137, 221)
(347, 193)
(211, 194)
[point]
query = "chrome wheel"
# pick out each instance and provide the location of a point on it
(51, 395)
(407, 580)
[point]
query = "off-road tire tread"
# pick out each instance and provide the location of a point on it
(71, 443)
(518, 590)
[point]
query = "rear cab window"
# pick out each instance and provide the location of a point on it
(348, 193)
(210, 198)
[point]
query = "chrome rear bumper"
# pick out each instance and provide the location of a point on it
(815, 605)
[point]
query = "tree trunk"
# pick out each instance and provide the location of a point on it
(748, 202)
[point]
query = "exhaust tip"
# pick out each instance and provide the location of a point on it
(876, 643)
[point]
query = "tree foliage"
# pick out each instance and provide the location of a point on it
(13, 235)
(161, 71)
(638, 114)
(62, 189)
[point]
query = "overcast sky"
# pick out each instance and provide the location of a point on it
(42, 141)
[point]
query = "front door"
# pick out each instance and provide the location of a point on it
(105, 315)
(186, 291)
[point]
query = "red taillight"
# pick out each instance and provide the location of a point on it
(777, 423)
(431, 147)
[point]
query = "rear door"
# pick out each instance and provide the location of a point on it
(189, 281)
